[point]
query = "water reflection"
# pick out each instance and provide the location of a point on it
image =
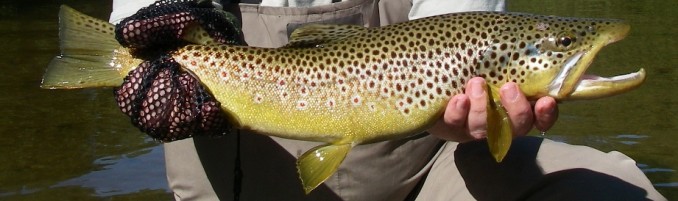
(71, 144)
(630, 139)
(117, 175)
(125, 174)
(667, 185)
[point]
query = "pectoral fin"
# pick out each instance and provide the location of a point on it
(499, 131)
(319, 163)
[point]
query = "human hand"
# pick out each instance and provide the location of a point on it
(465, 117)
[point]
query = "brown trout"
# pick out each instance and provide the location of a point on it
(348, 85)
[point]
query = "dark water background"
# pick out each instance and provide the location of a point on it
(76, 144)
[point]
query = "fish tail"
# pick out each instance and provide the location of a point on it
(89, 54)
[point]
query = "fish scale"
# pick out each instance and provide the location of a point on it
(342, 85)
(330, 88)
(406, 73)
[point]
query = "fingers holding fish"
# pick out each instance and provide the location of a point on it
(452, 127)
(518, 108)
(465, 115)
(545, 113)
(476, 90)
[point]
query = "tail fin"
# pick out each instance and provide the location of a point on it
(88, 53)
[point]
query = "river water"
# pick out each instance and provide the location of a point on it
(76, 144)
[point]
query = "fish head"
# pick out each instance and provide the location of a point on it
(551, 55)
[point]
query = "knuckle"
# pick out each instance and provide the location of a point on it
(478, 134)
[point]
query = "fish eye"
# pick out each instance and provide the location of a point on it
(565, 41)
(558, 43)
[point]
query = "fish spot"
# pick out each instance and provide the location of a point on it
(258, 98)
(303, 91)
(343, 89)
(302, 105)
(371, 106)
(356, 100)
(224, 75)
(422, 104)
(245, 75)
(284, 95)
(281, 82)
(331, 103)
(385, 92)
(372, 85)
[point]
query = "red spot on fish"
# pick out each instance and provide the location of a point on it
(330, 103)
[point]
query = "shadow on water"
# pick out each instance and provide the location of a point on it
(76, 145)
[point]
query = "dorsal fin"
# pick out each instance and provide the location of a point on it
(318, 34)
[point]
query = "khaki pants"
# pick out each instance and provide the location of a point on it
(416, 168)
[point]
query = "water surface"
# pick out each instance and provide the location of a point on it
(641, 124)
(70, 145)
(76, 145)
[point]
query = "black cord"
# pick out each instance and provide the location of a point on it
(237, 173)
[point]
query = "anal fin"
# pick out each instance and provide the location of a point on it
(499, 131)
(319, 163)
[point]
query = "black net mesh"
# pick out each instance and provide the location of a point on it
(159, 27)
(169, 104)
(162, 100)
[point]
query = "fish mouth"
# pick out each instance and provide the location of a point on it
(572, 83)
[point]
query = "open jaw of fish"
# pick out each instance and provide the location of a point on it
(573, 83)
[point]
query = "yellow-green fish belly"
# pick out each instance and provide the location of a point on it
(319, 97)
